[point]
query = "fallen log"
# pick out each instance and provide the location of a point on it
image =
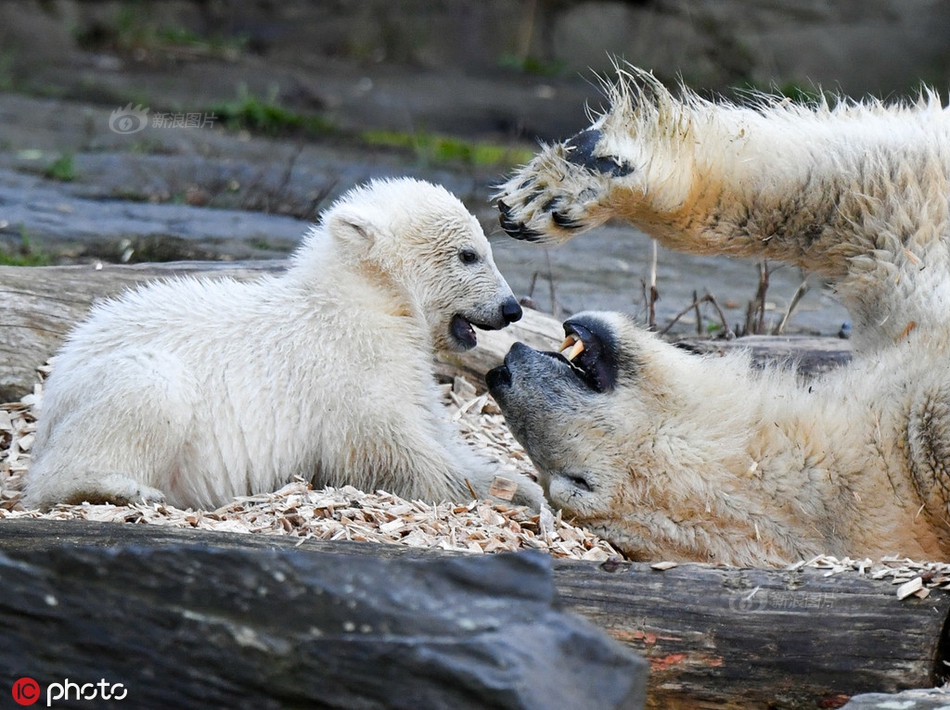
(723, 637)
(39, 305)
(193, 624)
(810, 355)
(715, 637)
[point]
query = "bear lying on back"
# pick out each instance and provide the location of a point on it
(194, 391)
(670, 455)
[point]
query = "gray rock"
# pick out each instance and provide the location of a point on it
(929, 699)
(196, 625)
(43, 209)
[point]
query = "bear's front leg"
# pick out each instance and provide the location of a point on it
(810, 185)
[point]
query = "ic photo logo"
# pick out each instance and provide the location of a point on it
(128, 120)
(27, 691)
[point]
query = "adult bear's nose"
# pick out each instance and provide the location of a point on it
(511, 310)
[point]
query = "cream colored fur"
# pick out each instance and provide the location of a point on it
(702, 458)
(199, 390)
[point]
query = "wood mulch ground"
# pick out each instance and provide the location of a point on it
(350, 514)
(336, 513)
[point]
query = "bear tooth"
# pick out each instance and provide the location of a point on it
(568, 342)
(576, 350)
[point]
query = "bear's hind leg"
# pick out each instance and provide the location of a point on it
(112, 430)
(927, 450)
(92, 487)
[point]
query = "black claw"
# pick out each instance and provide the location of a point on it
(551, 204)
(533, 195)
(581, 152)
(516, 230)
(564, 222)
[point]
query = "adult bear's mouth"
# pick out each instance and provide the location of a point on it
(587, 348)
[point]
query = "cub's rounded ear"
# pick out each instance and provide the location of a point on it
(353, 227)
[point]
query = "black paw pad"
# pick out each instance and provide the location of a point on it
(581, 152)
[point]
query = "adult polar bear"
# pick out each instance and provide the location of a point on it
(678, 456)
(195, 391)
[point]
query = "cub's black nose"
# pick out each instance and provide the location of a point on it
(511, 310)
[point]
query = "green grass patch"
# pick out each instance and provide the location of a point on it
(433, 148)
(797, 93)
(267, 116)
(131, 30)
(532, 65)
(61, 169)
(23, 254)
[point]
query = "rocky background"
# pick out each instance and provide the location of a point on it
(259, 113)
(253, 115)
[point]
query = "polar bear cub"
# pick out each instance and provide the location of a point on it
(196, 390)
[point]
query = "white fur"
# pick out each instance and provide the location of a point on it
(856, 192)
(198, 390)
(701, 458)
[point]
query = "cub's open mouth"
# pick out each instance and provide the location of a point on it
(463, 332)
(586, 354)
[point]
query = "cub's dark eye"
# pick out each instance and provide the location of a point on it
(469, 257)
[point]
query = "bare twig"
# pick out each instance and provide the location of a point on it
(726, 330)
(678, 316)
(699, 315)
(708, 298)
(760, 295)
(534, 281)
(796, 297)
(755, 312)
(552, 285)
(654, 294)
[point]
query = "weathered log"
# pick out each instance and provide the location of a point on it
(201, 625)
(727, 637)
(809, 355)
(715, 637)
(39, 305)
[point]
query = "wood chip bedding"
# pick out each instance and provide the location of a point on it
(349, 514)
(336, 513)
